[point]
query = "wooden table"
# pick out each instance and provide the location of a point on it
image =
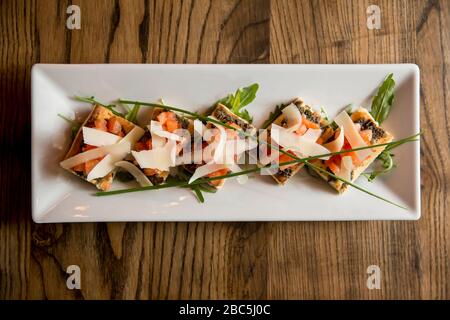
(304, 260)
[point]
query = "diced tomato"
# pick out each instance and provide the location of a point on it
(87, 147)
(309, 124)
(172, 125)
(356, 161)
(148, 144)
(139, 146)
(89, 165)
(168, 120)
(100, 124)
(114, 126)
(285, 158)
(334, 163)
(79, 168)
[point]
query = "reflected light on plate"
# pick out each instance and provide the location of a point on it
(80, 216)
(172, 204)
(81, 208)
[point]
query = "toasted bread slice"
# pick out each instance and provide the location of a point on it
(157, 176)
(223, 114)
(362, 117)
(98, 113)
(285, 173)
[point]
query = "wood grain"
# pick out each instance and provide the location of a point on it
(224, 260)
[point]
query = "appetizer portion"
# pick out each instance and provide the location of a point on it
(222, 149)
(155, 153)
(102, 140)
(297, 130)
(355, 130)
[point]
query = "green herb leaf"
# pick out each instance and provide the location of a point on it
(198, 193)
(75, 125)
(183, 176)
(247, 94)
(239, 100)
(381, 106)
(273, 115)
(382, 102)
(387, 163)
(132, 113)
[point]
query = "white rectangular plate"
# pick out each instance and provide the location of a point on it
(59, 196)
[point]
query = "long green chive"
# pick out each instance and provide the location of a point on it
(258, 169)
(353, 185)
(92, 100)
(297, 159)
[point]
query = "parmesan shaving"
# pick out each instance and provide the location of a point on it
(98, 138)
(123, 147)
(140, 177)
(352, 135)
(293, 117)
(159, 158)
(346, 169)
(299, 144)
(206, 170)
(312, 134)
(336, 144)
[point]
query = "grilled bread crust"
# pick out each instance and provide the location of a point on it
(379, 136)
(98, 113)
(284, 174)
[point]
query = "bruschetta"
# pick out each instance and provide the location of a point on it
(150, 153)
(102, 128)
(351, 130)
(301, 120)
(214, 168)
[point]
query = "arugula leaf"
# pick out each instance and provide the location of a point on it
(182, 176)
(382, 102)
(387, 163)
(381, 106)
(273, 115)
(75, 125)
(239, 100)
